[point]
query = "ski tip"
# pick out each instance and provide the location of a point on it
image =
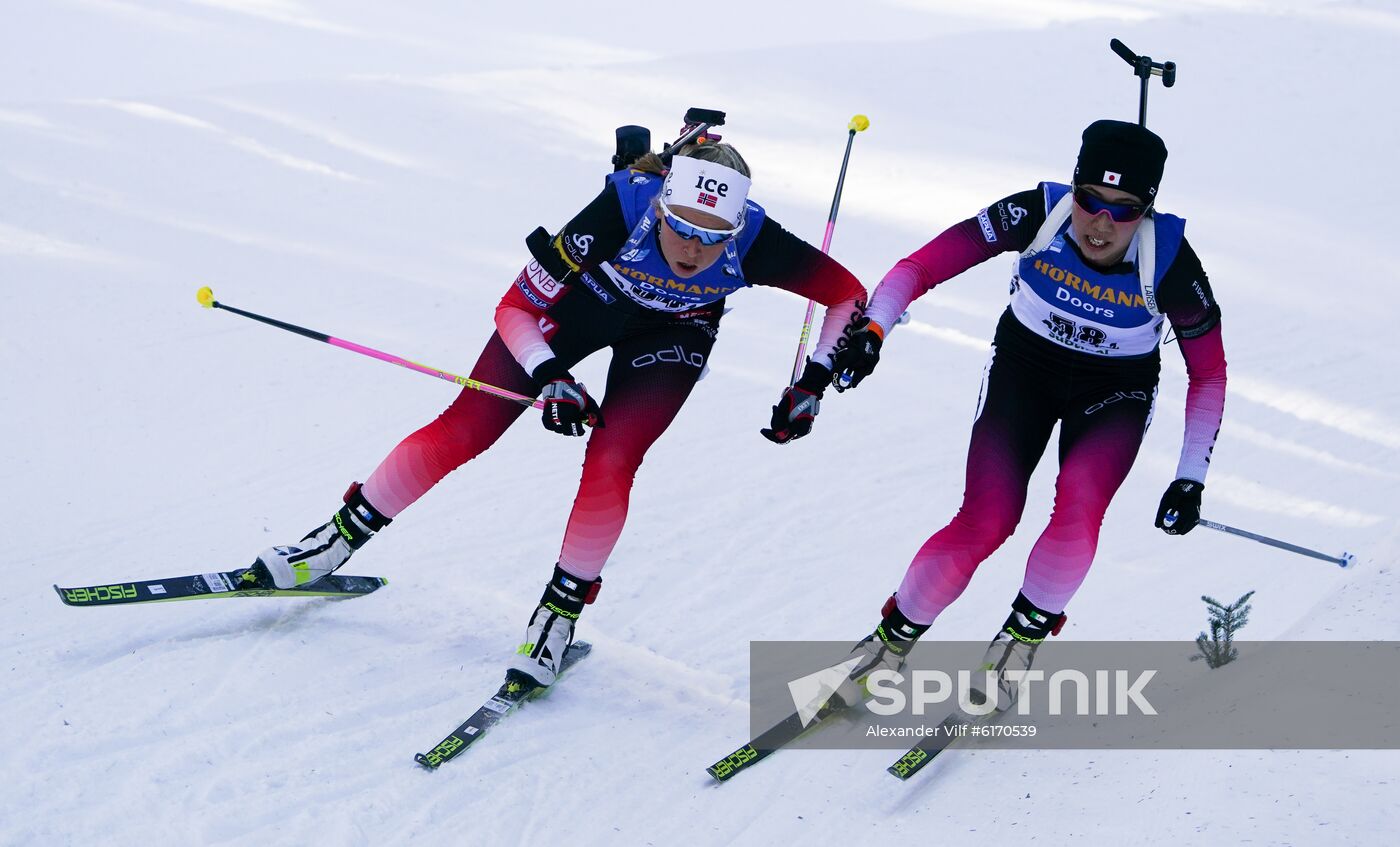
(721, 772)
(910, 763)
(61, 595)
(205, 296)
(422, 759)
(742, 758)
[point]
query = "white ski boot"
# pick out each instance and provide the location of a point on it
(1013, 649)
(551, 628)
(883, 649)
(326, 547)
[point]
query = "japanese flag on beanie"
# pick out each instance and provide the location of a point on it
(1121, 155)
(706, 187)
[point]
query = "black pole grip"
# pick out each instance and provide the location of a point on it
(1123, 52)
(299, 330)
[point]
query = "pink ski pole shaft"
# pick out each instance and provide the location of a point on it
(859, 123)
(206, 299)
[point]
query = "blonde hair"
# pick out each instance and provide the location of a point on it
(717, 152)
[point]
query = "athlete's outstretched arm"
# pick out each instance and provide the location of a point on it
(782, 260)
(1009, 224)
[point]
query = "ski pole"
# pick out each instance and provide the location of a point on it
(1346, 560)
(859, 123)
(206, 299)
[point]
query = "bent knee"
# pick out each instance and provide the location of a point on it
(987, 528)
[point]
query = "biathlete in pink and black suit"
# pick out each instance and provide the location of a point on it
(1099, 273)
(643, 270)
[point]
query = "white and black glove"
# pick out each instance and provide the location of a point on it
(567, 406)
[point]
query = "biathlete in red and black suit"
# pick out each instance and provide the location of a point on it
(643, 270)
(1099, 273)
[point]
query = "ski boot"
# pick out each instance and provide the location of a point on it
(326, 547)
(1014, 649)
(551, 628)
(883, 649)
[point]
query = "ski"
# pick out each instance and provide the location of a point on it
(950, 729)
(769, 742)
(517, 689)
(252, 581)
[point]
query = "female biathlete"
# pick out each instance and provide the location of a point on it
(644, 269)
(1099, 273)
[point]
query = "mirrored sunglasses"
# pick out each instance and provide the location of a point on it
(687, 230)
(1120, 212)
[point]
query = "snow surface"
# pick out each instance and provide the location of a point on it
(370, 170)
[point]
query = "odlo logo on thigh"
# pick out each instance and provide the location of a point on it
(675, 354)
(1118, 396)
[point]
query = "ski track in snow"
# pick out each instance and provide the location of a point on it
(251, 145)
(370, 171)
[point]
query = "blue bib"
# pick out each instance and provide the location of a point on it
(640, 272)
(1061, 297)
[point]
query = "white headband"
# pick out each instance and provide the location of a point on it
(706, 187)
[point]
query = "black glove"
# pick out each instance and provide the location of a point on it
(1180, 509)
(798, 407)
(856, 361)
(567, 406)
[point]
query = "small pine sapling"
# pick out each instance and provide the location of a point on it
(1218, 647)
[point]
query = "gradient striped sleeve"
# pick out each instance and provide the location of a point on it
(953, 251)
(1009, 224)
(1186, 298)
(1205, 401)
(520, 330)
(782, 260)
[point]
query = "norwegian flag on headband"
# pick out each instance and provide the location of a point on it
(708, 199)
(1112, 178)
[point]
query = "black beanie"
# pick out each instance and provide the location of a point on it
(1123, 156)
